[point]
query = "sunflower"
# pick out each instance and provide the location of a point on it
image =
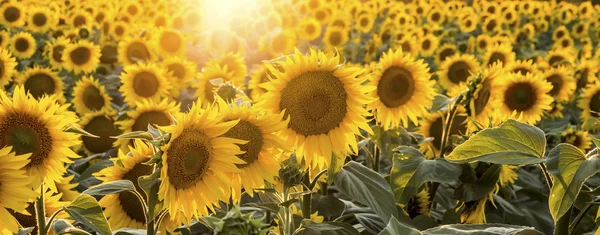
(4, 38)
(90, 96)
(53, 51)
(404, 89)
(590, 101)
(41, 82)
(364, 23)
(197, 161)
(36, 127)
(119, 30)
(428, 44)
(335, 38)
(444, 52)
(468, 23)
(556, 111)
(146, 113)
(144, 81)
(16, 191)
(491, 24)
(456, 69)
(67, 189)
(559, 57)
(480, 108)
(13, 14)
(235, 63)
(436, 16)
(101, 124)
(483, 42)
(80, 19)
(524, 97)
(208, 82)
(258, 77)
(262, 149)
(133, 9)
(565, 43)
(474, 211)
(124, 210)
(8, 66)
(418, 204)
(586, 73)
(560, 32)
(40, 20)
(133, 50)
(580, 29)
(432, 126)
(81, 57)
(169, 42)
(323, 102)
(181, 73)
(309, 29)
(563, 83)
(521, 66)
(499, 53)
(577, 138)
(22, 45)
(409, 45)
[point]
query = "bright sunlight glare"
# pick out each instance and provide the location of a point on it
(219, 13)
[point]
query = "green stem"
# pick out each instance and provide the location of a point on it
(376, 152)
(343, 217)
(287, 214)
(40, 212)
(49, 223)
(307, 198)
(447, 126)
(562, 224)
(316, 180)
(546, 175)
(579, 217)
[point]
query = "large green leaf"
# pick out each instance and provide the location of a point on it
(482, 229)
(570, 169)
(367, 187)
(411, 169)
(472, 188)
(130, 231)
(326, 228)
(394, 227)
(85, 210)
(61, 226)
(512, 143)
(111, 188)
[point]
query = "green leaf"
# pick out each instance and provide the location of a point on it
(325, 228)
(150, 185)
(367, 187)
(371, 222)
(570, 169)
(473, 188)
(411, 169)
(512, 143)
(596, 140)
(394, 227)
(129, 231)
(72, 128)
(111, 188)
(135, 135)
(482, 229)
(95, 168)
(60, 226)
(85, 210)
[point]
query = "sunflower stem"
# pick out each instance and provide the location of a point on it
(376, 157)
(546, 175)
(579, 217)
(49, 224)
(562, 224)
(307, 198)
(40, 212)
(287, 214)
(448, 125)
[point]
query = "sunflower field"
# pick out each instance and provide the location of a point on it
(299, 117)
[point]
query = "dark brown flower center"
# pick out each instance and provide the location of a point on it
(557, 82)
(520, 96)
(245, 130)
(145, 84)
(40, 84)
(188, 158)
(170, 42)
(396, 87)
(92, 98)
(80, 56)
(315, 102)
(458, 72)
(104, 128)
(26, 134)
(12, 14)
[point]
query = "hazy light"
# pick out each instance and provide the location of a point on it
(219, 13)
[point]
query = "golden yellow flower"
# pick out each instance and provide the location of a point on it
(8, 66)
(41, 82)
(524, 97)
(235, 63)
(563, 83)
(456, 69)
(323, 102)
(53, 51)
(169, 42)
(499, 53)
(36, 127)
(309, 29)
(144, 81)
(133, 50)
(16, 191)
(81, 57)
(22, 45)
(13, 14)
(90, 96)
(101, 124)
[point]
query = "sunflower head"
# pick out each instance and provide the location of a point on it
(8, 66)
(23, 45)
(499, 53)
(522, 96)
(90, 96)
(36, 127)
(144, 81)
(456, 70)
(133, 50)
(563, 83)
(39, 82)
(81, 57)
(12, 14)
(101, 124)
(323, 102)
